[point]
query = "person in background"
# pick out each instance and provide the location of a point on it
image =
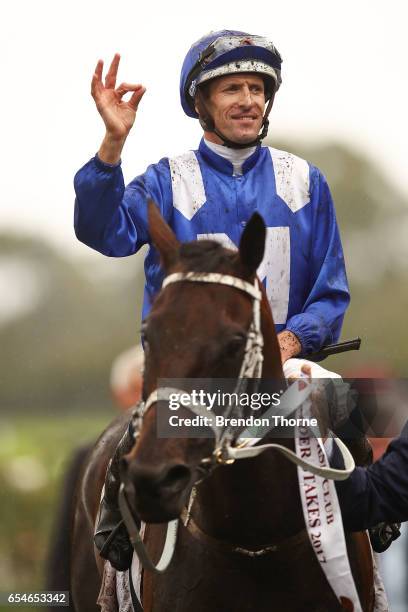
(126, 379)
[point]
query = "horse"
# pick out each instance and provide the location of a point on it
(243, 545)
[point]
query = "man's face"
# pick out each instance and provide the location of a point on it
(236, 104)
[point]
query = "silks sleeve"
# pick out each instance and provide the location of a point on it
(322, 315)
(112, 218)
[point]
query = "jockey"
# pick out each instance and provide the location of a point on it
(228, 82)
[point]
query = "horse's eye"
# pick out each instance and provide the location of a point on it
(235, 345)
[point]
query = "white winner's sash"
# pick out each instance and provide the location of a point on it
(322, 514)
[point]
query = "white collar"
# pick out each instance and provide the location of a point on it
(235, 156)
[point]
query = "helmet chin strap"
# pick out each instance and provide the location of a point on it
(207, 123)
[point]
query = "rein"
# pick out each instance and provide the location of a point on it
(225, 451)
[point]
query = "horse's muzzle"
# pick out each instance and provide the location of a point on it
(158, 493)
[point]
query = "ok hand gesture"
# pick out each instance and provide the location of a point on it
(117, 114)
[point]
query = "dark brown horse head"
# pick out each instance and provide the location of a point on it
(195, 330)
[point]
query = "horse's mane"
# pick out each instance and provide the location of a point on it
(206, 256)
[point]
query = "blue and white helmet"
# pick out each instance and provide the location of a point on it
(228, 52)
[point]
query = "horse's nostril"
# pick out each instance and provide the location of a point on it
(176, 477)
(157, 481)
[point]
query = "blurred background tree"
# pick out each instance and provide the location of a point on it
(63, 325)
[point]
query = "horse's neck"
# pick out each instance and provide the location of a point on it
(252, 501)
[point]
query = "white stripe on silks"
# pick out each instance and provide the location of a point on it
(291, 178)
(321, 511)
(187, 184)
(275, 267)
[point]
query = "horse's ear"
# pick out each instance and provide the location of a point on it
(252, 243)
(162, 236)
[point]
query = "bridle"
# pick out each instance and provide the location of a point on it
(251, 367)
(225, 450)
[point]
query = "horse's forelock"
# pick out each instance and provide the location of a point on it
(206, 256)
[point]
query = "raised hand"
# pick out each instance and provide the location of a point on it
(117, 114)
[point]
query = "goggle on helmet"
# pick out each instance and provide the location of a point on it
(228, 52)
